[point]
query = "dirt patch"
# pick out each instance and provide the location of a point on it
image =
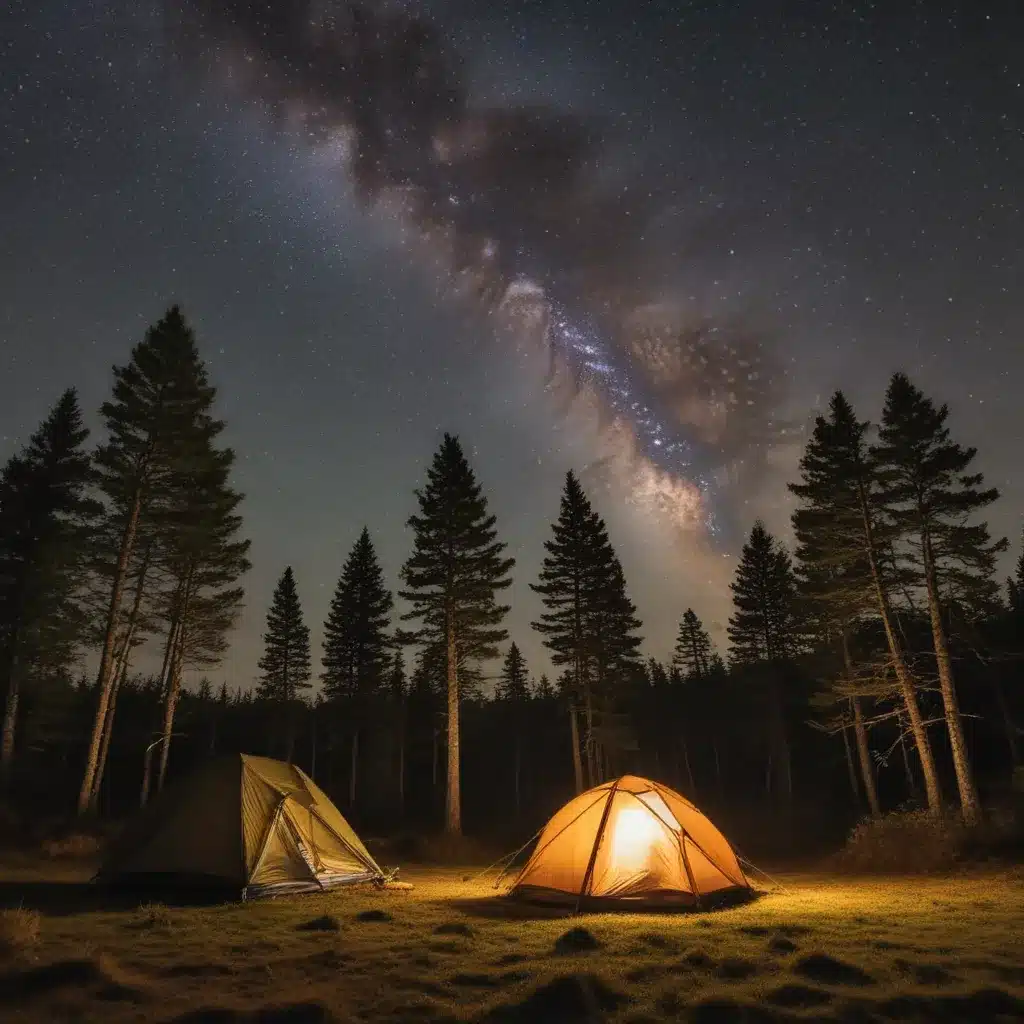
(734, 968)
(781, 945)
(98, 977)
(827, 970)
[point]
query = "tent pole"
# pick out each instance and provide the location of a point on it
(597, 843)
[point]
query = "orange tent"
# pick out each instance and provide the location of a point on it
(630, 842)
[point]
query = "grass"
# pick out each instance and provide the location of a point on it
(448, 950)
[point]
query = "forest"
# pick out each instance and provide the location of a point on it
(873, 665)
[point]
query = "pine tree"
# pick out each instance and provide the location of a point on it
(693, 647)
(834, 571)
(513, 689)
(356, 642)
(397, 689)
(512, 684)
(1015, 587)
(589, 623)
(838, 464)
(160, 399)
(203, 559)
(44, 517)
(762, 629)
(451, 578)
(930, 497)
(285, 663)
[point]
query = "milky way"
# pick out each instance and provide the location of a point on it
(513, 197)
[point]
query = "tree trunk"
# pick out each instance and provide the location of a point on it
(906, 683)
(174, 684)
(867, 772)
(103, 676)
(718, 768)
(516, 769)
(10, 719)
(401, 774)
(108, 725)
(850, 770)
(1008, 724)
(969, 804)
(907, 768)
(312, 756)
(577, 762)
(588, 739)
(453, 803)
(353, 769)
(689, 771)
(147, 772)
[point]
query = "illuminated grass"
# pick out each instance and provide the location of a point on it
(448, 950)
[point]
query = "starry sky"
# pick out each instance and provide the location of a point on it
(837, 188)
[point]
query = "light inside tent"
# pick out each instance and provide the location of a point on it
(636, 831)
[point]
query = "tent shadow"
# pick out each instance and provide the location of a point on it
(59, 899)
(509, 908)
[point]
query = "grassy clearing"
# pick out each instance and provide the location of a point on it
(823, 949)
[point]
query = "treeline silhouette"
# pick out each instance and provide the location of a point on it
(876, 665)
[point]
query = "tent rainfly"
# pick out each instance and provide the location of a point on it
(630, 843)
(250, 824)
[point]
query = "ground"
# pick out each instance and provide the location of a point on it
(818, 948)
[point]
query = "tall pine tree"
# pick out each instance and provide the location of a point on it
(833, 568)
(356, 643)
(160, 399)
(514, 691)
(932, 499)
(452, 578)
(45, 513)
(763, 632)
(588, 623)
(285, 663)
(693, 647)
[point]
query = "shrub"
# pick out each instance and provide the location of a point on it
(19, 930)
(75, 845)
(155, 916)
(904, 842)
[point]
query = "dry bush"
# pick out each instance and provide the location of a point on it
(76, 845)
(904, 842)
(155, 916)
(19, 930)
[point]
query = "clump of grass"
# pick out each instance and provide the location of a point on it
(324, 923)
(76, 845)
(378, 916)
(19, 931)
(576, 940)
(154, 916)
(454, 928)
(828, 970)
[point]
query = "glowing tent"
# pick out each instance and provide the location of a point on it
(248, 824)
(630, 842)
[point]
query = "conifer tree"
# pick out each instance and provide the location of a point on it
(762, 629)
(931, 499)
(160, 399)
(356, 642)
(285, 663)
(512, 684)
(589, 623)
(45, 512)
(834, 571)
(1015, 587)
(513, 689)
(452, 578)
(693, 647)
(839, 480)
(397, 688)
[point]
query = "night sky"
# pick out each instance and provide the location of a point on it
(837, 188)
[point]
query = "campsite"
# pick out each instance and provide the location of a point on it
(275, 910)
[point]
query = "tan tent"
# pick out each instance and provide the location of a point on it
(251, 824)
(630, 842)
